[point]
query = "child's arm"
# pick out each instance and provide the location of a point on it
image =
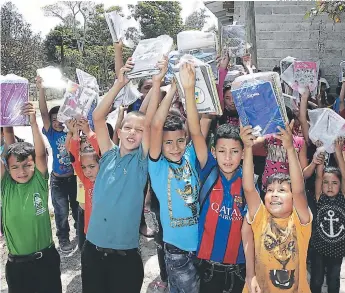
(43, 104)
(145, 103)
(116, 139)
(340, 160)
(158, 123)
(9, 139)
(318, 159)
(153, 104)
(251, 194)
(102, 110)
(297, 181)
(187, 75)
(68, 140)
(118, 57)
(303, 115)
(40, 149)
(249, 251)
(222, 72)
(318, 181)
(205, 124)
(84, 126)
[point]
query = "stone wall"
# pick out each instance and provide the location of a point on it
(281, 31)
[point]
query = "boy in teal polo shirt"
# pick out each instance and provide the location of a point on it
(33, 264)
(110, 258)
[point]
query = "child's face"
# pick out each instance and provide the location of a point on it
(21, 172)
(58, 126)
(147, 85)
(174, 145)
(131, 132)
(90, 166)
(330, 184)
(229, 101)
(278, 199)
(229, 153)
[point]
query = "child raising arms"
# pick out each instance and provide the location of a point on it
(282, 224)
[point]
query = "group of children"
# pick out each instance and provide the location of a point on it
(222, 228)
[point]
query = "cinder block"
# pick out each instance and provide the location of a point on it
(268, 63)
(281, 10)
(265, 10)
(265, 36)
(268, 27)
(299, 9)
(333, 44)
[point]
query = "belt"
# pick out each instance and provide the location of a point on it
(174, 250)
(107, 251)
(29, 257)
(223, 268)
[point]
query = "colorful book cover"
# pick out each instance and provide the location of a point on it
(257, 106)
(305, 74)
(14, 94)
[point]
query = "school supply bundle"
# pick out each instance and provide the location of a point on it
(342, 71)
(233, 40)
(52, 77)
(206, 95)
(286, 63)
(118, 27)
(127, 96)
(305, 75)
(259, 102)
(147, 54)
(326, 126)
(201, 45)
(14, 94)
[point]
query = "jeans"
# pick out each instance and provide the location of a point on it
(64, 195)
(80, 228)
(101, 272)
(318, 265)
(182, 273)
(224, 279)
(37, 276)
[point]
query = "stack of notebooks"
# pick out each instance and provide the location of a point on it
(233, 40)
(206, 95)
(14, 94)
(259, 102)
(201, 45)
(326, 126)
(147, 54)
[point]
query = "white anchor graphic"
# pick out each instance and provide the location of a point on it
(331, 234)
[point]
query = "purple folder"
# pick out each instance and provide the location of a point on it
(14, 94)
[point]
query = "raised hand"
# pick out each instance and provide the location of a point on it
(163, 67)
(72, 126)
(246, 134)
(83, 125)
(29, 109)
(122, 78)
(285, 135)
(187, 75)
(339, 144)
(39, 82)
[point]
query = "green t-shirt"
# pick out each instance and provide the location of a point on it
(25, 214)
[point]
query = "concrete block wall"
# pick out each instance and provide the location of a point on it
(281, 30)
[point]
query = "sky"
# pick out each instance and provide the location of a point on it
(33, 14)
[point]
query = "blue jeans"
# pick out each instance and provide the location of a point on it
(64, 195)
(182, 273)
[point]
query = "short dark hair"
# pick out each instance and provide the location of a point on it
(277, 69)
(110, 130)
(133, 113)
(53, 111)
(229, 132)
(141, 82)
(225, 89)
(21, 150)
(173, 122)
(90, 151)
(290, 114)
(278, 177)
(333, 170)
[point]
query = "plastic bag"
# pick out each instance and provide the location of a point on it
(342, 71)
(286, 63)
(201, 45)
(14, 94)
(233, 40)
(52, 77)
(77, 102)
(290, 102)
(259, 101)
(326, 126)
(147, 54)
(206, 95)
(127, 96)
(87, 80)
(112, 117)
(118, 27)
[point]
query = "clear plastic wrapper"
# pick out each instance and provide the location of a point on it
(87, 80)
(290, 102)
(206, 95)
(147, 54)
(127, 96)
(201, 45)
(14, 94)
(233, 40)
(173, 58)
(286, 63)
(77, 102)
(52, 77)
(112, 117)
(234, 72)
(259, 101)
(326, 126)
(118, 27)
(342, 71)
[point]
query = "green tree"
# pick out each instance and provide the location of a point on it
(158, 18)
(196, 20)
(21, 49)
(334, 9)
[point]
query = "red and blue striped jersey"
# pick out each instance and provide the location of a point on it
(220, 222)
